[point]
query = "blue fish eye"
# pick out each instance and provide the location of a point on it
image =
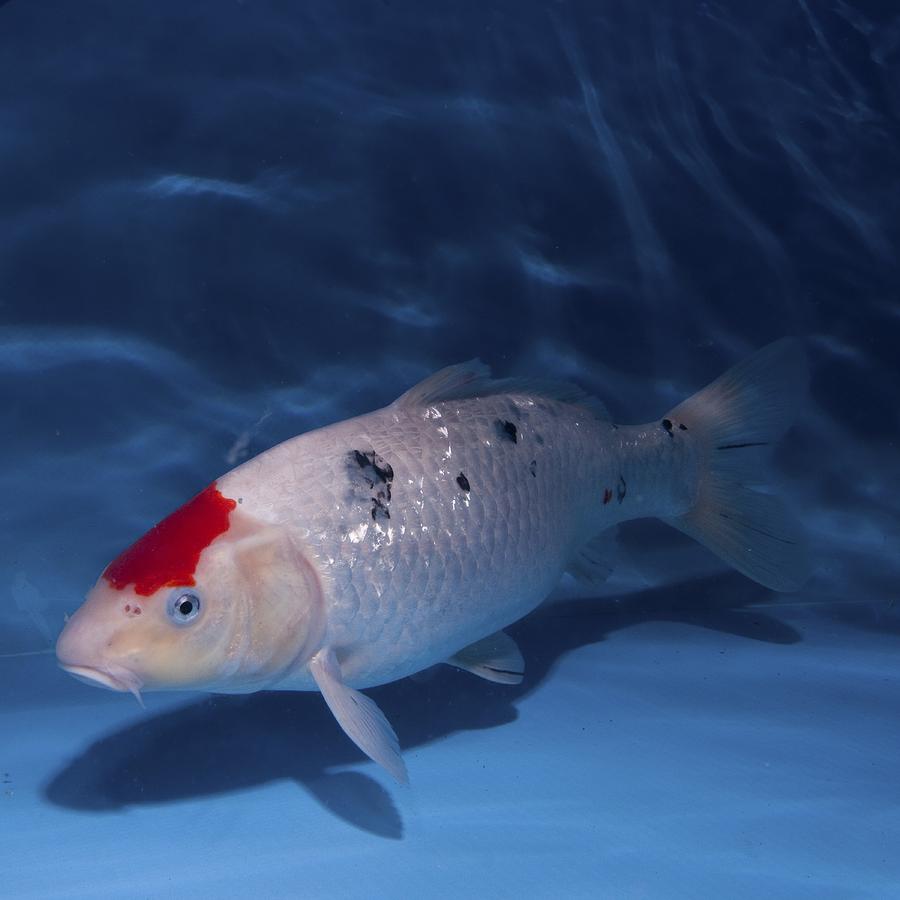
(183, 607)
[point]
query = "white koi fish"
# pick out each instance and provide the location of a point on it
(374, 548)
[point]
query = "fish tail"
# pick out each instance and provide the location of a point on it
(736, 419)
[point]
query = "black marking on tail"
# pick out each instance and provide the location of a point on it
(761, 531)
(741, 446)
(463, 482)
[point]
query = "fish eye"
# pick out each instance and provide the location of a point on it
(183, 607)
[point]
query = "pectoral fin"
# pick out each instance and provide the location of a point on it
(494, 658)
(363, 722)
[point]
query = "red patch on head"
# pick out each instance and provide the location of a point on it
(167, 555)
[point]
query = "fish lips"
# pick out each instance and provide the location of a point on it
(114, 678)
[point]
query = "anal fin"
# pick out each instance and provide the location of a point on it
(494, 658)
(363, 722)
(594, 562)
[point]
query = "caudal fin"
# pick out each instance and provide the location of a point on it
(737, 418)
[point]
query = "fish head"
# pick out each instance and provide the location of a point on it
(235, 614)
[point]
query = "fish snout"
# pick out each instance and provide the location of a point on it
(81, 651)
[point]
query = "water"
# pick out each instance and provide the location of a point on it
(226, 223)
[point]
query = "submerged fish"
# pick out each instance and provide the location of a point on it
(374, 548)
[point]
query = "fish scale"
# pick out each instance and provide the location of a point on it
(448, 566)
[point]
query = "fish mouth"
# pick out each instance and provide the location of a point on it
(94, 676)
(115, 680)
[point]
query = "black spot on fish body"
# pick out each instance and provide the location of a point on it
(380, 505)
(361, 459)
(533, 468)
(682, 426)
(667, 424)
(375, 468)
(463, 482)
(621, 489)
(378, 475)
(539, 438)
(508, 430)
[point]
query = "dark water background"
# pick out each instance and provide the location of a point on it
(223, 223)
(229, 222)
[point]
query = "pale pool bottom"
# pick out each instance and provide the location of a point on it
(755, 756)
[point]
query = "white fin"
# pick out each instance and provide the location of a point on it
(462, 380)
(494, 658)
(594, 562)
(363, 722)
(473, 379)
(737, 418)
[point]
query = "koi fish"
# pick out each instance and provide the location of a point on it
(374, 548)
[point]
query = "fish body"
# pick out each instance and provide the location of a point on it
(430, 527)
(368, 550)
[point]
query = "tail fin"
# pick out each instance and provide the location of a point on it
(736, 418)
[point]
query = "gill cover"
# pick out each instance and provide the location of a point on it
(278, 621)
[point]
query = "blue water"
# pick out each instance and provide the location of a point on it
(222, 224)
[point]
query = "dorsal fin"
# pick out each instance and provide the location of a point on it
(468, 379)
(473, 379)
